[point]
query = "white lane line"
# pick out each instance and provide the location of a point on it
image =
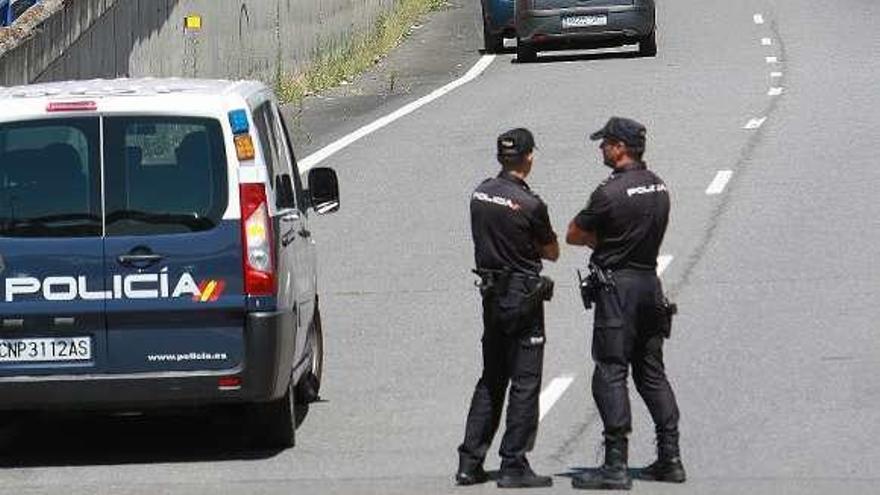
(759, 19)
(766, 41)
(663, 262)
(719, 182)
(755, 123)
(771, 60)
(552, 393)
(322, 154)
(774, 91)
(776, 74)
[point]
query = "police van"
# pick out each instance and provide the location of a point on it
(155, 251)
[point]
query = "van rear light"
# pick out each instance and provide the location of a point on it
(72, 106)
(244, 147)
(256, 234)
(229, 383)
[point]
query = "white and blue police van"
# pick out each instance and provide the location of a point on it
(155, 251)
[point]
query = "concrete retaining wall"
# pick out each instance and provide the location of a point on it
(133, 38)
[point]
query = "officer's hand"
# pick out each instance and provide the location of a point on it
(550, 251)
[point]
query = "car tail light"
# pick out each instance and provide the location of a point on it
(256, 234)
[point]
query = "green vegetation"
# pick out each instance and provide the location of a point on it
(339, 64)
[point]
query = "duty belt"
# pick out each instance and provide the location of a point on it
(496, 283)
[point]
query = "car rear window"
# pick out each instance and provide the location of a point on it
(50, 178)
(164, 175)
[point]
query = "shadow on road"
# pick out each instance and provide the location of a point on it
(55, 439)
(557, 57)
(634, 473)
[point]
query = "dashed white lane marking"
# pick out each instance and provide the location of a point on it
(759, 19)
(755, 123)
(719, 182)
(774, 91)
(772, 60)
(552, 393)
(322, 154)
(663, 262)
(766, 41)
(776, 74)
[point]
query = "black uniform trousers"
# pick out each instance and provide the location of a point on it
(625, 332)
(513, 353)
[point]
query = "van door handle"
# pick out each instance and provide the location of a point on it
(137, 259)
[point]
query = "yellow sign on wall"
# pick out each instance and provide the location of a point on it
(193, 22)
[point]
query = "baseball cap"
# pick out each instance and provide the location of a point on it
(622, 129)
(516, 142)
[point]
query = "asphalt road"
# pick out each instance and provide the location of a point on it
(774, 357)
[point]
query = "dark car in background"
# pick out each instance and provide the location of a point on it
(498, 23)
(564, 24)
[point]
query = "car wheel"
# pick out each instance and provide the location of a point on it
(309, 386)
(525, 53)
(648, 45)
(273, 424)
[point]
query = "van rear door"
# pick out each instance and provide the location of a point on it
(51, 249)
(174, 262)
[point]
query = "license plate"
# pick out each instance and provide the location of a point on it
(580, 21)
(45, 350)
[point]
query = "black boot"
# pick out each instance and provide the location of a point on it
(669, 469)
(523, 479)
(613, 474)
(474, 476)
(668, 466)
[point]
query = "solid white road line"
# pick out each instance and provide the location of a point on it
(755, 123)
(774, 91)
(663, 262)
(759, 19)
(317, 157)
(552, 393)
(766, 41)
(771, 60)
(719, 182)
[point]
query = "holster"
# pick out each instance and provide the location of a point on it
(665, 311)
(593, 284)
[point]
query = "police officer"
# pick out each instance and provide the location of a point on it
(624, 224)
(512, 233)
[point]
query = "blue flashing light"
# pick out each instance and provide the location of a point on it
(238, 119)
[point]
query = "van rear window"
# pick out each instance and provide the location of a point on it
(164, 175)
(50, 178)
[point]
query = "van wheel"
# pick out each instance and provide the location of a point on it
(525, 54)
(309, 386)
(274, 423)
(648, 45)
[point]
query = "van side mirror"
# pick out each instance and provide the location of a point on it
(323, 190)
(284, 196)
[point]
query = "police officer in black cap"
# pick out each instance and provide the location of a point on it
(512, 234)
(624, 224)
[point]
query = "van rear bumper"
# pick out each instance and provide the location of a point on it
(269, 350)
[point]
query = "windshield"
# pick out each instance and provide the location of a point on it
(50, 178)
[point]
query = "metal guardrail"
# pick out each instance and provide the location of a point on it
(10, 10)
